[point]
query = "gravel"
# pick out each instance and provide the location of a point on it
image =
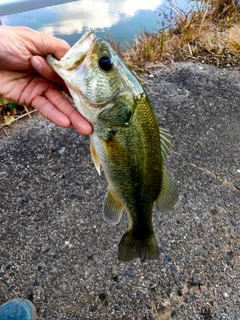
(57, 251)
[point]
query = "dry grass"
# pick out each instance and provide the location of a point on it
(208, 33)
(11, 112)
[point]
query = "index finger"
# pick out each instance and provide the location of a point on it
(63, 106)
(43, 44)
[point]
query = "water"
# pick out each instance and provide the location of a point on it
(122, 20)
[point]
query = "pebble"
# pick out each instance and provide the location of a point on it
(128, 273)
(194, 282)
(187, 300)
(224, 294)
(173, 313)
(166, 260)
(36, 283)
(93, 309)
(61, 151)
(73, 196)
(116, 308)
(234, 224)
(102, 296)
(3, 175)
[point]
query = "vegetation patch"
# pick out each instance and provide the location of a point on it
(207, 32)
(10, 111)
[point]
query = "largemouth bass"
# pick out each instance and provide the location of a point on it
(126, 141)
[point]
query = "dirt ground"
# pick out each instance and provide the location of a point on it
(57, 251)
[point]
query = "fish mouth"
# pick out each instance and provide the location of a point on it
(79, 50)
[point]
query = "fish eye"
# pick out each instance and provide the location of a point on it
(105, 63)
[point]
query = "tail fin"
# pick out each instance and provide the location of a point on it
(130, 248)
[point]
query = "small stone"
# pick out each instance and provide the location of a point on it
(173, 313)
(194, 282)
(61, 151)
(195, 296)
(197, 157)
(93, 309)
(115, 278)
(187, 300)
(234, 224)
(128, 273)
(166, 260)
(203, 311)
(73, 196)
(3, 174)
(214, 212)
(102, 296)
(116, 308)
(36, 283)
(224, 294)
(37, 257)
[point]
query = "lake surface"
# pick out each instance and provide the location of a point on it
(122, 20)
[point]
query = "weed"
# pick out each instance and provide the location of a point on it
(10, 111)
(205, 29)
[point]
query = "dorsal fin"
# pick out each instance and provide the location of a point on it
(168, 195)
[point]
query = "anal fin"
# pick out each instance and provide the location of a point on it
(168, 195)
(112, 209)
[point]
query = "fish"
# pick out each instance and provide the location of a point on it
(126, 141)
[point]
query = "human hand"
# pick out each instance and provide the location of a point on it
(27, 79)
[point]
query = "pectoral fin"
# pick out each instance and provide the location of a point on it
(166, 143)
(95, 158)
(117, 114)
(112, 209)
(168, 195)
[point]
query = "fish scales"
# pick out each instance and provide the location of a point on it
(126, 140)
(132, 160)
